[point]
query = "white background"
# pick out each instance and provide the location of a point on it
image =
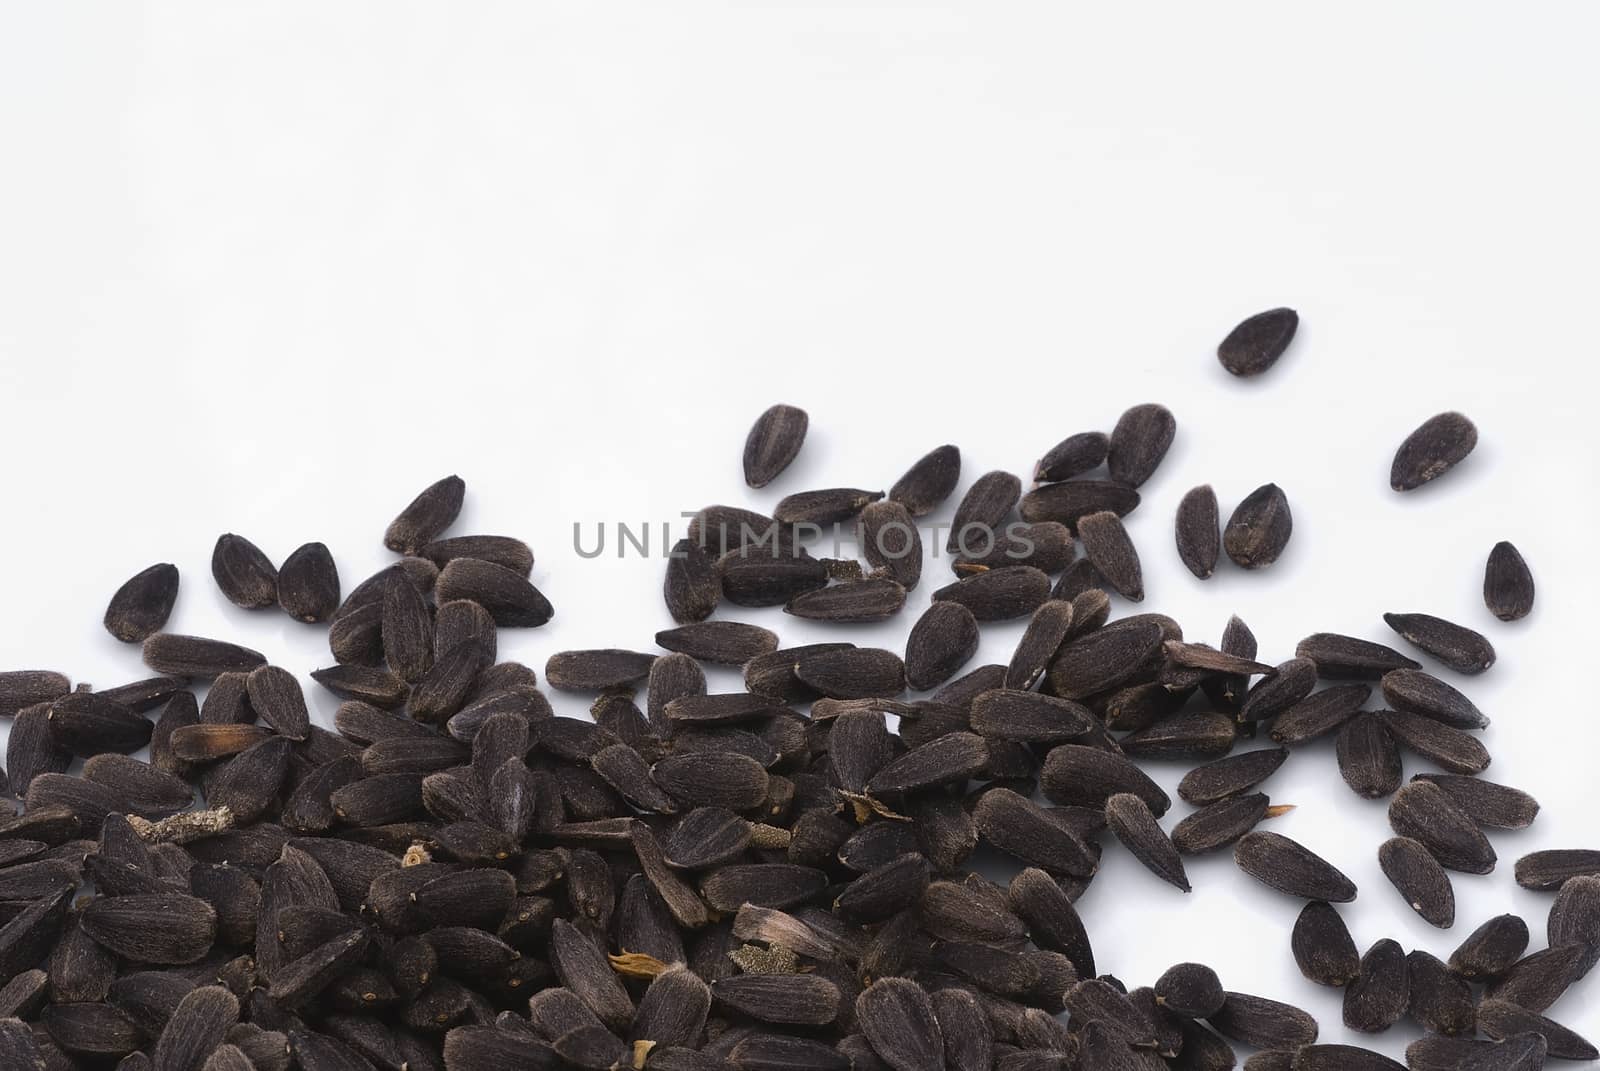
(271, 269)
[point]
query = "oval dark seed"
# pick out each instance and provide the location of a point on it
(1552, 868)
(1106, 543)
(1416, 692)
(1258, 341)
(141, 606)
(1220, 824)
(245, 575)
(1507, 584)
(943, 640)
(692, 588)
(891, 542)
(1369, 759)
(1440, 1001)
(1423, 812)
(1198, 531)
(983, 511)
(1259, 529)
(1441, 443)
(1129, 817)
(999, 594)
(1491, 949)
(428, 515)
(1459, 647)
(308, 584)
(1264, 1023)
(929, 481)
(1323, 947)
(774, 441)
(1071, 500)
(853, 601)
(1290, 867)
(1486, 803)
(1139, 442)
(1413, 870)
(1346, 658)
(1072, 456)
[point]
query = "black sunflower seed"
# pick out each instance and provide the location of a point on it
(141, 606)
(1322, 946)
(949, 759)
(825, 507)
(1220, 824)
(31, 750)
(1290, 867)
(1105, 658)
(1539, 980)
(428, 515)
(983, 511)
(1077, 775)
(598, 670)
(999, 594)
(1195, 735)
(308, 584)
(1575, 917)
(1552, 868)
(1440, 1001)
(943, 640)
(1319, 714)
(853, 601)
(1231, 776)
(1491, 949)
(898, 1019)
(1024, 830)
(1507, 584)
(1486, 803)
(1416, 692)
(504, 551)
(1198, 531)
(1259, 528)
(1441, 443)
(1346, 658)
(369, 684)
(1342, 1058)
(1071, 500)
(194, 656)
(1413, 870)
(853, 672)
(1191, 990)
(1369, 759)
(774, 441)
(1423, 812)
(1011, 714)
(1457, 646)
(84, 723)
(276, 696)
(929, 481)
(692, 588)
(1129, 817)
(158, 928)
(1502, 1020)
(1072, 456)
(1138, 443)
(1264, 1023)
(1258, 341)
(891, 542)
(245, 575)
(1106, 543)
(1451, 748)
(711, 779)
(507, 595)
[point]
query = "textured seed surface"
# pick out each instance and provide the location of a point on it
(1290, 867)
(929, 481)
(1108, 547)
(308, 584)
(898, 1019)
(1419, 878)
(999, 594)
(1507, 583)
(1264, 1023)
(1323, 948)
(852, 601)
(1462, 649)
(1138, 443)
(891, 542)
(692, 588)
(1198, 531)
(428, 515)
(1220, 824)
(1423, 812)
(943, 640)
(1369, 758)
(1453, 749)
(773, 443)
(1491, 949)
(1500, 1020)
(1490, 805)
(246, 576)
(1130, 819)
(1347, 658)
(1439, 1000)
(1258, 531)
(983, 511)
(1378, 996)
(1552, 868)
(195, 656)
(1441, 443)
(1319, 714)
(1072, 456)
(1258, 341)
(1071, 500)
(141, 606)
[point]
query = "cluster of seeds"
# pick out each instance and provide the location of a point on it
(459, 878)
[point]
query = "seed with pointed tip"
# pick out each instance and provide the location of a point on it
(1022, 829)
(692, 588)
(1227, 777)
(1130, 819)
(276, 696)
(1554, 867)
(1191, 990)
(142, 605)
(1423, 812)
(853, 601)
(1439, 1000)
(1259, 529)
(1322, 946)
(1106, 543)
(245, 575)
(1413, 870)
(1347, 658)
(1369, 759)
(1071, 500)
(1104, 658)
(1507, 584)
(1198, 531)
(308, 584)
(1462, 649)
(891, 542)
(1077, 775)
(1451, 748)
(853, 672)
(428, 515)
(1416, 692)
(929, 481)
(1220, 824)
(598, 670)
(1441, 443)
(155, 928)
(1138, 443)
(999, 594)
(1264, 1023)
(1319, 714)
(1072, 456)
(1290, 867)
(898, 1019)
(1575, 917)
(1491, 949)
(1539, 980)
(1258, 341)
(507, 595)
(943, 640)
(1500, 1020)
(1488, 804)
(825, 507)
(195, 656)
(983, 511)
(774, 441)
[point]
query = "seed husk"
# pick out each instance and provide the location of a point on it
(780, 998)
(1490, 805)
(368, 684)
(943, 640)
(1198, 531)
(872, 599)
(1457, 646)
(774, 441)
(1046, 631)
(1077, 775)
(1012, 714)
(1198, 656)
(1290, 867)
(1507, 583)
(692, 588)
(1319, 714)
(929, 481)
(711, 779)
(1502, 1020)
(598, 670)
(1197, 735)
(898, 1019)
(1553, 868)
(1264, 1023)
(1105, 658)
(308, 584)
(1129, 817)
(84, 723)
(275, 695)
(1413, 870)
(1138, 443)
(1539, 980)
(1423, 812)
(1218, 780)
(1440, 1001)
(1347, 658)
(1072, 456)
(245, 575)
(1575, 918)
(999, 594)
(1323, 948)
(1071, 500)
(20, 689)
(156, 928)
(141, 606)
(1441, 443)
(1491, 949)
(508, 596)
(208, 743)
(1220, 824)
(195, 656)
(1369, 759)
(1416, 692)
(1259, 528)
(891, 542)
(949, 759)
(1342, 1058)
(1191, 990)
(1106, 543)
(1024, 830)
(428, 515)
(1255, 345)
(825, 507)
(1439, 743)
(853, 672)
(983, 511)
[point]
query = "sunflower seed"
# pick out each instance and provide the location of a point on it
(1220, 824)
(1072, 456)
(1423, 812)
(1191, 990)
(1138, 443)
(1231, 776)
(1198, 531)
(1507, 584)
(853, 601)
(983, 511)
(1440, 1001)
(1553, 868)
(1071, 500)
(709, 779)
(141, 606)
(1264, 1023)
(949, 759)
(507, 595)
(1441, 443)
(85, 724)
(1537, 981)
(823, 508)
(1322, 946)
(1105, 658)
(854, 672)
(1257, 342)
(428, 515)
(1024, 830)
(1575, 918)
(1130, 819)
(308, 584)
(1259, 529)
(1486, 803)
(891, 542)
(194, 656)
(245, 575)
(1451, 748)
(1458, 647)
(774, 441)
(1110, 550)
(1076, 775)
(1346, 658)
(999, 594)
(1369, 759)
(929, 481)
(1491, 949)
(1290, 867)
(1502, 1020)
(944, 639)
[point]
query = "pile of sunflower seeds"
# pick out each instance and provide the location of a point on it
(772, 879)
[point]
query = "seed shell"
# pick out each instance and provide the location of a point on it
(983, 511)
(853, 601)
(1106, 543)
(1502, 1020)
(1346, 658)
(1491, 949)
(308, 584)
(1413, 870)
(1575, 918)
(1439, 743)
(1264, 1023)
(1416, 692)
(194, 656)
(141, 606)
(1323, 948)
(1369, 759)
(1457, 646)
(943, 640)
(1290, 867)
(1129, 817)
(1138, 443)
(929, 481)
(774, 441)
(891, 542)
(1554, 867)
(1319, 714)
(1423, 812)
(1198, 531)
(1440, 1001)
(1259, 529)
(508, 596)
(1441, 443)
(245, 575)
(1488, 804)
(822, 508)
(1507, 583)
(999, 594)
(428, 515)
(1230, 776)
(1220, 824)
(1539, 980)
(1255, 345)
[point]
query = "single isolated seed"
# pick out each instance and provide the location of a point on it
(426, 518)
(1198, 531)
(773, 443)
(245, 575)
(308, 584)
(1257, 342)
(1507, 584)
(1259, 529)
(1441, 443)
(983, 512)
(1138, 443)
(1457, 646)
(141, 606)
(1129, 817)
